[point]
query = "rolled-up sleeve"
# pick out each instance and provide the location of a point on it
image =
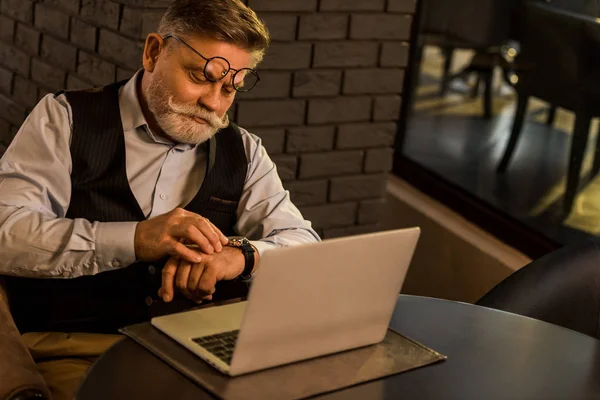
(35, 189)
(266, 214)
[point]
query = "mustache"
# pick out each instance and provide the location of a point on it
(200, 112)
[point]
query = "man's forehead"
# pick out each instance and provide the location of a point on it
(237, 57)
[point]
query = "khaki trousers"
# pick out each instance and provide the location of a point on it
(63, 358)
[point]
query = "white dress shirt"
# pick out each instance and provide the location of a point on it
(36, 239)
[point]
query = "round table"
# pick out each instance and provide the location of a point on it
(491, 355)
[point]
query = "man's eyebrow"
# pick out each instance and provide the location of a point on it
(196, 67)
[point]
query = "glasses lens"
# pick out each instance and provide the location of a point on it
(216, 69)
(244, 80)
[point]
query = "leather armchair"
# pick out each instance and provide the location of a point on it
(562, 288)
(19, 379)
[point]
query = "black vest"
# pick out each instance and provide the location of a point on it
(101, 192)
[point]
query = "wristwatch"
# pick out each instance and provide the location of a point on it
(247, 250)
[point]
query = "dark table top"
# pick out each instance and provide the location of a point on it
(491, 355)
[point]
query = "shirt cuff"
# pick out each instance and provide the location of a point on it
(261, 246)
(114, 245)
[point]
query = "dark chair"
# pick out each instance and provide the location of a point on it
(560, 64)
(586, 7)
(480, 25)
(19, 379)
(562, 288)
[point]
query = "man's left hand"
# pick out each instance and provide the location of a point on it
(197, 281)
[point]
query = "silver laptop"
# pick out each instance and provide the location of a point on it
(305, 301)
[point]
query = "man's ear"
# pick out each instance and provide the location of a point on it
(153, 48)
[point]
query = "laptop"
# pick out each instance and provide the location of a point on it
(305, 301)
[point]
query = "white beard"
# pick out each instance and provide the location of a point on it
(176, 119)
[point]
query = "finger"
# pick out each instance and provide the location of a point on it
(209, 230)
(183, 252)
(182, 276)
(208, 281)
(192, 235)
(194, 277)
(166, 291)
(222, 238)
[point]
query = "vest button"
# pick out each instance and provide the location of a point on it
(151, 269)
(149, 301)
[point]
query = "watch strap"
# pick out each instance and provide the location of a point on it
(248, 252)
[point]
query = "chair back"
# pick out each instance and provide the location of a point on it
(559, 58)
(477, 24)
(562, 288)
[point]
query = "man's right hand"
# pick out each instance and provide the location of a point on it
(164, 235)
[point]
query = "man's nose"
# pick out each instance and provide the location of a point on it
(211, 99)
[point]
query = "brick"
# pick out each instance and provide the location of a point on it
(372, 211)
(330, 164)
(379, 160)
(272, 85)
(330, 215)
(58, 53)
(7, 29)
(151, 3)
(28, 39)
(76, 83)
(41, 93)
(352, 5)
(350, 231)
(354, 136)
(281, 26)
(11, 111)
(124, 73)
(341, 109)
(5, 136)
(83, 34)
(323, 26)
(316, 83)
(271, 112)
(387, 108)
(380, 26)
(404, 6)
(287, 165)
(365, 81)
(95, 70)
(272, 139)
(52, 20)
(346, 54)
(72, 6)
(47, 74)
(394, 54)
(288, 56)
(308, 192)
(318, 138)
(122, 50)
(24, 92)
(21, 10)
(101, 12)
(6, 80)
(14, 59)
(285, 5)
(138, 23)
(357, 187)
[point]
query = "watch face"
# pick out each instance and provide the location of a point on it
(237, 241)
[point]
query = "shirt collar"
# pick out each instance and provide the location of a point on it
(132, 116)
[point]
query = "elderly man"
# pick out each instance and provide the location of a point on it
(119, 204)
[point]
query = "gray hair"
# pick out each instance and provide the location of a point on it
(230, 21)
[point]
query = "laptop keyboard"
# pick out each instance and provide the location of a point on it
(221, 345)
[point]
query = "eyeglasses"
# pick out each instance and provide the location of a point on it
(217, 68)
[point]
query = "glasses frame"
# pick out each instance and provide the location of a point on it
(208, 60)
